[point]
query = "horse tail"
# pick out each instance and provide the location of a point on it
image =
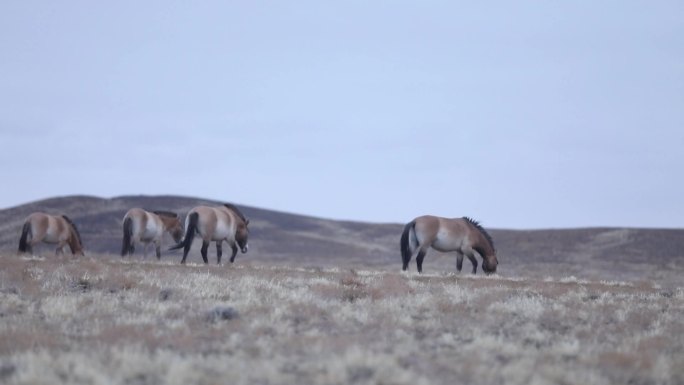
(23, 241)
(190, 231)
(407, 239)
(127, 236)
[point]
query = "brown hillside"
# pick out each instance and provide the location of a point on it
(281, 238)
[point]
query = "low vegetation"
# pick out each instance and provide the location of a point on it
(99, 320)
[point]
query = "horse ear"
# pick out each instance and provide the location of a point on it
(246, 222)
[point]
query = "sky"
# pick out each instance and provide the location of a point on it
(526, 114)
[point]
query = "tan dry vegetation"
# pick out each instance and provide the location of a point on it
(100, 320)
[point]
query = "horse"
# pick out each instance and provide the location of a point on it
(149, 226)
(50, 229)
(218, 224)
(464, 235)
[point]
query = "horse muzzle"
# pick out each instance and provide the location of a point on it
(488, 270)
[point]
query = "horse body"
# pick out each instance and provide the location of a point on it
(215, 224)
(463, 235)
(148, 227)
(41, 227)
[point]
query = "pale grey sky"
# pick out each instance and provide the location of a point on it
(523, 114)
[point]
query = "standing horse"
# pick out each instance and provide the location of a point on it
(218, 224)
(50, 229)
(462, 235)
(149, 226)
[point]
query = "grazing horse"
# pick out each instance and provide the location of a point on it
(149, 226)
(218, 224)
(50, 229)
(463, 235)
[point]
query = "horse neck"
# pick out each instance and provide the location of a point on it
(74, 242)
(236, 213)
(167, 223)
(484, 247)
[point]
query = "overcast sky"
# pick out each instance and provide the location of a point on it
(526, 114)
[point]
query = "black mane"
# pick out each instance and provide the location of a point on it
(481, 229)
(73, 226)
(236, 210)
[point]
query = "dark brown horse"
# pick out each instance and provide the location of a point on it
(41, 227)
(463, 235)
(217, 224)
(149, 226)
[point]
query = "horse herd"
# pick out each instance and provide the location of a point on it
(226, 222)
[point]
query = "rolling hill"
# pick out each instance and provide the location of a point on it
(623, 254)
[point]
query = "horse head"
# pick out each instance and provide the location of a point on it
(489, 264)
(76, 248)
(176, 230)
(242, 236)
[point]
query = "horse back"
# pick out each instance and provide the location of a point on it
(213, 223)
(426, 228)
(140, 219)
(443, 234)
(38, 221)
(48, 228)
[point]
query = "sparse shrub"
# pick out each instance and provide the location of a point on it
(6, 371)
(352, 288)
(390, 285)
(221, 313)
(165, 294)
(82, 284)
(123, 334)
(359, 373)
(142, 379)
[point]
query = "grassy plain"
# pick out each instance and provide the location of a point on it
(101, 320)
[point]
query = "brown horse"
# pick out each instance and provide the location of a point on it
(463, 235)
(149, 226)
(218, 224)
(41, 227)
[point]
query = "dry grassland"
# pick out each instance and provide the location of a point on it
(101, 321)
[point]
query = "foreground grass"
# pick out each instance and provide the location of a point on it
(100, 321)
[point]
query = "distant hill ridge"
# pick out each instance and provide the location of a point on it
(283, 238)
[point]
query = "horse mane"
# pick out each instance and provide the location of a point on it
(482, 231)
(236, 210)
(73, 226)
(163, 213)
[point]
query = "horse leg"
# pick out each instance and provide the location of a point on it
(60, 248)
(219, 251)
(419, 259)
(459, 261)
(235, 250)
(145, 250)
(158, 249)
(34, 241)
(36, 238)
(205, 247)
(473, 260)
